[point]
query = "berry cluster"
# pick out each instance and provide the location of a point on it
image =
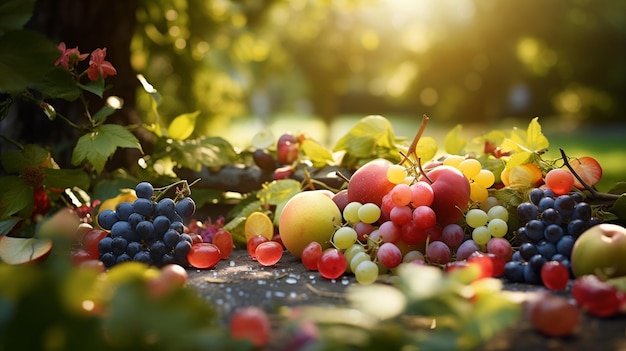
(549, 227)
(146, 231)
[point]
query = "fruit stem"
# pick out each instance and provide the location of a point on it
(340, 175)
(595, 194)
(413, 146)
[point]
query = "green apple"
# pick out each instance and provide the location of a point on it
(600, 250)
(308, 216)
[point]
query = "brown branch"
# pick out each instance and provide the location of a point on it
(595, 194)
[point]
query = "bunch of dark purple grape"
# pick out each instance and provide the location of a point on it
(549, 227)
(146, 230)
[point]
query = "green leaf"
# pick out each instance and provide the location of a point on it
(14, 14)
(15, 196)
(204, 151)
(182, 126)
(318, 155)
(22, 65)
(619, 208)
(103, 113)
(58, 84)
(66, 178)
(279, 191)
(95, 87)
(6, 224)
(454, 144)
(97, 146)
(366, 135)
(619, 188)
(16, 161)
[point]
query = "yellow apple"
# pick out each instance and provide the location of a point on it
(308, 216)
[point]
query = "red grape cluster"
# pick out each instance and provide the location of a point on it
(281, 161)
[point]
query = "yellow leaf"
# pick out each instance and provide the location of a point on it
(182, 126)
(535, 140)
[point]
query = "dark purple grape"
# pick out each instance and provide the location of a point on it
(104, 245)
(553, 233)
(514, 271)
(157, 250)
(548, 193)
(177, 226)
(123, 210)
(565, 205)
(578, 197)
(118, 245)
(582, 210)
(144, 190)
(576, 227)
(186, 207)
(535, 196)
(134, 218)
(565, 245)
(546, 248)
(530, 276)
(132, 248)
(165, 207)
(123, 258)
(146, 232)
(264, 160)
(144, 207)
(167, 259)
(545, 203)
(108, 259)
(527, 250)
(142, 256)
(526, 211)
(161, 225)
(171, 238)
(106, 219)
(517, 257)
(182, 249)
(534, 230)
(536, 262)
(551, 216)
(186, 237)
(124, 229)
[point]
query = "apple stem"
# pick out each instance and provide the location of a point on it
(595, 194)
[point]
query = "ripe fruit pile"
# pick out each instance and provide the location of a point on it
(147, 231)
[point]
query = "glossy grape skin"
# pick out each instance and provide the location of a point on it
(186, 207)
(144, 207)
(144, 190)
(203, 255)
(269, 253)
(106, 219)
(332, 263)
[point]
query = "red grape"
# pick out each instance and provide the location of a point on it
(500, 247)
(413, 235)
(332, 263)
(203, 255)
(91, 240)
(389, 255)
(421, 194)
(389, 232)
(553, 315)
(311, 254)
(424, 217)
(269, 253)
(596, 296)
(224, 241)
(438, 252)
(250, 323)
(254, 242)
(554, 275)
(452, 234)
(483, 261)
(401, 215)
(560, 181)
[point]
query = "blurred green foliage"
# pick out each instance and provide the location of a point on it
(457, 61)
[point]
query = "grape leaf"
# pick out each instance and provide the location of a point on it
(97, 146)
(16, 161)
(183, 126)
(203, 151)
(15, 196)
(66, 178)
(454, 144)
(316, 153)
(279, 191)
(426, 148)
(367, 134)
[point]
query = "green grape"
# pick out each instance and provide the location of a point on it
(344, 237)
(396, 174)
(476, 218)
(484, 178)
(358, 258)
(263, 139)
(366, 272)
(351, 212)
(369, 213)
(498, 211)
(453, 160)
(470, 167)
(489, 203)
(497, 227)
(351, 251)
(481, 235)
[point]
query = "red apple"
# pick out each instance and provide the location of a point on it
(600, 250)
(452, 193)
(369, 183)
(23, 250)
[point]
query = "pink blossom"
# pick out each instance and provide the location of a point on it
(69, 57)
(98, 66)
